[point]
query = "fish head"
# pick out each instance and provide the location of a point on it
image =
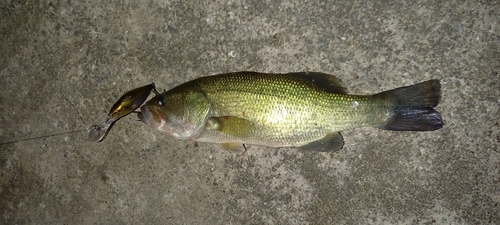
(182, 115)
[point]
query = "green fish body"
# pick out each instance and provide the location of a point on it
(304, 110)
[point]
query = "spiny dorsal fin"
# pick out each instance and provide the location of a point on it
(324, 81)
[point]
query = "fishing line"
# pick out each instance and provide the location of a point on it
(98, 130)
(61, 96)
(40, 137)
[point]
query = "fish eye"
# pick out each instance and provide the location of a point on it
(160, 101)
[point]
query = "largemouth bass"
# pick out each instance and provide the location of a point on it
(304, 110)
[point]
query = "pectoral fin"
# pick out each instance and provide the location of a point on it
(230, 125)
(330, 143)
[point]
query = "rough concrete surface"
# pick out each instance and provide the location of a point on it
(64, 63)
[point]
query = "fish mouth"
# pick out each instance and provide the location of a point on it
(150, 116)
(144, 115)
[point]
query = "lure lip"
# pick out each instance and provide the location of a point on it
(99, 130)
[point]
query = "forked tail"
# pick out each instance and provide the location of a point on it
(412, 108)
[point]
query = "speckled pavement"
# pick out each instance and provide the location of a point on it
(64, 63)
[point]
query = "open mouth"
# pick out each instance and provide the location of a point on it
(143, 114)
(151, 117)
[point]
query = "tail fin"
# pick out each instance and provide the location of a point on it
(412, 108)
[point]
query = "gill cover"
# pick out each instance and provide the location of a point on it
(182, 114)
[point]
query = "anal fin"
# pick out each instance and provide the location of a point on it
(330, 143)
(234, 147)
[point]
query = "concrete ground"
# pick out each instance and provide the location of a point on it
(64, 63)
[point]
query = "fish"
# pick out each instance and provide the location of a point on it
(305, 110)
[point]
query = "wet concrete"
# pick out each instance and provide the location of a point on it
(64, 63)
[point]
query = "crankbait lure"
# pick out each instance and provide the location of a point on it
(125, 105)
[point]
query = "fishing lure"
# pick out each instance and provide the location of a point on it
(125, 105)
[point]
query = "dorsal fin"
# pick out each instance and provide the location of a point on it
(327, 82)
